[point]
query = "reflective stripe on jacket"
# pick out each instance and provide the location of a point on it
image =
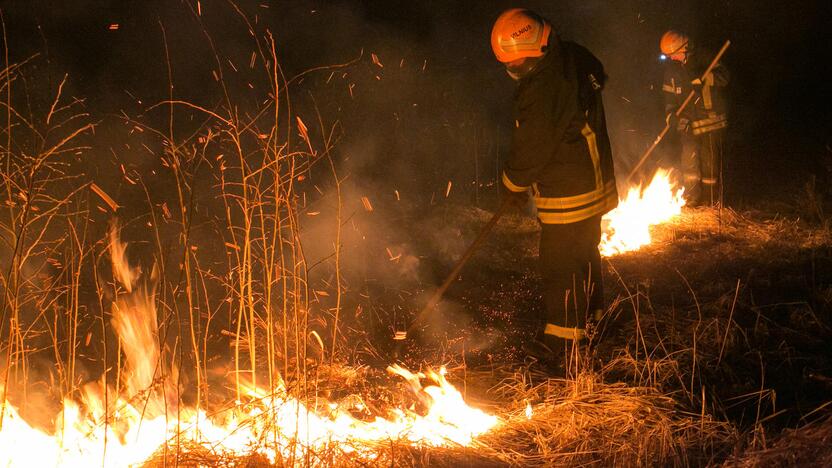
(707, 111)
(709, 124)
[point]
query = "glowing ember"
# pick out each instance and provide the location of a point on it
(627, 227)
(143, 419)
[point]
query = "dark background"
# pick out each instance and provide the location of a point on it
(418, 128)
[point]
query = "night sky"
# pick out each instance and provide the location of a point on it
(779, 60)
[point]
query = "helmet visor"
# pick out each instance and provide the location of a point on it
(521, 68)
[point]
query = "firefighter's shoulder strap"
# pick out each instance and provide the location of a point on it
(589, 72)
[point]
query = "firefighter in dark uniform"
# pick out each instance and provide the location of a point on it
(702, 124)
(560, 153)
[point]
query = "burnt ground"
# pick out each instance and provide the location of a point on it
(727, 312)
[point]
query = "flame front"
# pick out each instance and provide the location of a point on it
(271, 424)
(142, 417)
(627, 227)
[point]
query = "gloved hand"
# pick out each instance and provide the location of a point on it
(513, 198)
(680, 123)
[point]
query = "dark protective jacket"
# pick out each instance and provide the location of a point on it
(707, 112)
(560, 146)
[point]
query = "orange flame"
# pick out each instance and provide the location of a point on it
(271, 423)
(130, 438)
(125, 275)
(627, 228)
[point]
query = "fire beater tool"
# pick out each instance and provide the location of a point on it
(678, 112)
(400, 336)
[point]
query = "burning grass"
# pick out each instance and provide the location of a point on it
(725, 314)
(159, 381)
(212, 339)
(554, 422)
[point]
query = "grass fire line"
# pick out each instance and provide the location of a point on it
(141, 415)
(211, 364)
(138, 424)
(135, 424)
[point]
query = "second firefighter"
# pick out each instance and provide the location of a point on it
(701, 126)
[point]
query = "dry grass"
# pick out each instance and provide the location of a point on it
(221, 230)
(584, 420)
(807, 445)
(248, 294)
(577, 421)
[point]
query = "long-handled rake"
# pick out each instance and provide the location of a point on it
(677, 113)
(400, 336)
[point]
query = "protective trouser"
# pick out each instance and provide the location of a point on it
(710, 146)
(702, 167)
(570, 265)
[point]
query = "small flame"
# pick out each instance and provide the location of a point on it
(627, 227)
(125, 275)
(529, 413)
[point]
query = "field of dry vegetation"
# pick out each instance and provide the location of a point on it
(182, 281)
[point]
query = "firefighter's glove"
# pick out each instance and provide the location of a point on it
(680, 123)
(517, 199)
